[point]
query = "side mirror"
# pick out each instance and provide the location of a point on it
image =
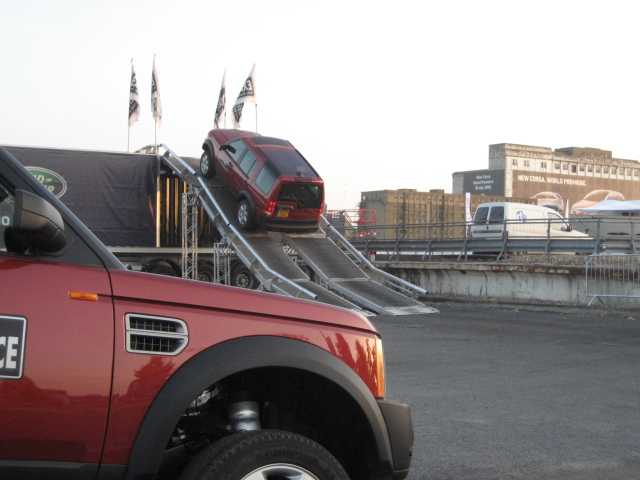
(228, 148)
(37, 225)
(566, 227)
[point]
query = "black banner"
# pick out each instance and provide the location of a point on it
(12, 346)
(112, 193)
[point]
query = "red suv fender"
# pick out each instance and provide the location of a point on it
(235, 356)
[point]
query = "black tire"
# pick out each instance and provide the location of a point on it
(205, 272)
(243, 278)
(282, 453)
(245, 215)
(207, 169)
(161, 267)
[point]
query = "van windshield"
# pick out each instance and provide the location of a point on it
(481, 215)
(305, 195)
(496, 215)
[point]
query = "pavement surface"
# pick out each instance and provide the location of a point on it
(522, 393)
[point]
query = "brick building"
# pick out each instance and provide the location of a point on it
(564, 178)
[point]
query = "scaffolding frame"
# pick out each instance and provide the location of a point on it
(190, 204)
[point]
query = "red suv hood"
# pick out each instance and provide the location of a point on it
(164, 289)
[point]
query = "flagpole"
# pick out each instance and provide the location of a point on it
(256, 118)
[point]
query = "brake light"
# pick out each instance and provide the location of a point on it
(270, 208)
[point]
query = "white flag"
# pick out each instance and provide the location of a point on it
(247, 94)
(222, 101)
(156, 105)
(134, 103)
(467, 207)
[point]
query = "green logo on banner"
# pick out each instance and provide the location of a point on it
(52, 181)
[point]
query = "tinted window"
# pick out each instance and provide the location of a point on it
(240, 148)
(305, 195)
(496, 215)
(247, 162)
(6, 214)
(270, 141)
(481, 215)
(266, 179)
(287, 161)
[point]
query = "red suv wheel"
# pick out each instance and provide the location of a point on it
(245, 215)
(206, 165)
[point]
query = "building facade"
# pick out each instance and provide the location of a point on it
(565, 179)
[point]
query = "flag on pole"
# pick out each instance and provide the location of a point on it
(222, 100)
(134, 102)
(247, 94)
(156, 105)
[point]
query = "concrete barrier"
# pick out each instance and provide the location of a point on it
(497, 282)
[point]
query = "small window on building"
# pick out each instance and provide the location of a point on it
(598, 169)
(514, 162)
(628, 172)
(543, 165)
(590, 168)
(614, 170)
(565, 166)
(574, 168)
(636, 172)
(605, 170)
(582, 168)
(526, 163)
(556, 165)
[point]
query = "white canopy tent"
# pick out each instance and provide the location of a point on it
(614, 207)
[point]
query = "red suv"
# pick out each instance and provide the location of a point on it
(275, 186)
(111, 374)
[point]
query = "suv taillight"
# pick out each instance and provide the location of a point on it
(270, 208)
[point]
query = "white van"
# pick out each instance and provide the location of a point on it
(520, 220)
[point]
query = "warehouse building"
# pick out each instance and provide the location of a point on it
(565, 179)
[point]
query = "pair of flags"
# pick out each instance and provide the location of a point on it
(247, 94)
(134, 99)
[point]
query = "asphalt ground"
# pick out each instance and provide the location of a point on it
(512, 392)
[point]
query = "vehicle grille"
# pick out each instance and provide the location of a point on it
(155, 335)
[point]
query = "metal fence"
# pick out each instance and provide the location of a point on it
(583, 235)
(612, 276)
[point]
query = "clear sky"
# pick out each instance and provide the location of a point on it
(394, 94)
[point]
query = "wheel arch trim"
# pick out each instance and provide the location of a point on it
(235, 356)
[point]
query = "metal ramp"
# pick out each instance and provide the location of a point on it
(263, 253)
(353, 277)
(343, 276)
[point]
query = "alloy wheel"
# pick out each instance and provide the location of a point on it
(280, 471)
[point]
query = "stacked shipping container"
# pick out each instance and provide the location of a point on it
(410, 214)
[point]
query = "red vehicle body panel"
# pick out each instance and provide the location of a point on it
(58, 409)
(77, 339)
(215, 314)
